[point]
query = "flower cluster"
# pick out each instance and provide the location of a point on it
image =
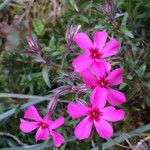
(98, 75)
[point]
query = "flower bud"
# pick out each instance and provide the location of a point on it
(109, 9)
(71, 32)
(33, 46)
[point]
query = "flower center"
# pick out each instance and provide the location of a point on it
(94, 114)
(95, 54)
(43, 125)
(102, 82)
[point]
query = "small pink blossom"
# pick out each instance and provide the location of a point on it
(45, 126)
(96, 114)
(94, 53)
(97, 79)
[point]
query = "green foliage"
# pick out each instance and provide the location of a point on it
(38, 26)
(46, 75)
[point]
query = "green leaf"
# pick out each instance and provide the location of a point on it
(73, 4)
(141, 70)
(12, 111)
(45, 74)
(127, 32)
(38, 60)
(73, 122)
(124, 20)
(52, 42)
(38, 26)
(84, 18)
(37, 146)
(4, 4)
(0, 42)
(63, 147)
(122, 86)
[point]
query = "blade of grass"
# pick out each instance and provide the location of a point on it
(4, 4)
(124, 136)
(37, 146)
(24, 96)
(12, 111)
(106, 145)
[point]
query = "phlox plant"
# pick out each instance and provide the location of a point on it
(98, 79)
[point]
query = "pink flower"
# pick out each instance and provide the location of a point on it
(101, 84)
(96, 114)
(94, 53)
(45, 126)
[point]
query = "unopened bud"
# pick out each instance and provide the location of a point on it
(33, 46)
(71, 32)
(109, 9)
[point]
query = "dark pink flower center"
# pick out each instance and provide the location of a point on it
(102, 82)
(43, 125)
(95, 54)
(94, 114)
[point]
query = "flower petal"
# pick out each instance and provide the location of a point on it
(82, 62)
(83, 41)
(98, 69)
(57, 138)
(89, 78)
(27, 126)
(77, 110)
(115, 77)
(111, 48)
(100, 39)
(115, 97)
(32, 113)
(106, 64)
(114, 115)
(108, 108)
(99, 97)
(57, 123)
(83, 129)
(42, 134)
(103, 128)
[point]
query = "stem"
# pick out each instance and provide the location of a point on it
(52, 104)
(99, 142)
(54, 65)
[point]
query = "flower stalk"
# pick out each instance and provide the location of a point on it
(99, 142)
